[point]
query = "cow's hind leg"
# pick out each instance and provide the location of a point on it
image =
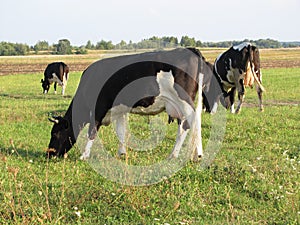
(259, 93)
(121, 129)
(241, 95)
(64, 84)
(181, 135)
(63, 89)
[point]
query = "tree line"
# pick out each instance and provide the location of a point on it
(64, 46)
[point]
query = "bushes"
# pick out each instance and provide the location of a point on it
(7, 49)
(64, 47)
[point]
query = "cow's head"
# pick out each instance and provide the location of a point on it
(61, 137)
(240, 56)
(45, 85)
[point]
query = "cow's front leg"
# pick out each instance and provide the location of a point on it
(92, 133)
(55, 85)
(121, 129)
(241, 94)
(231, 99)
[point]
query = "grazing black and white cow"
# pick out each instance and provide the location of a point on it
(56, 72)
(236, 68)
(144, 84)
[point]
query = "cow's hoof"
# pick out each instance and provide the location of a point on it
(197, 158)
(122, 156)
(172, 156)
(122, 152)
(84, 157)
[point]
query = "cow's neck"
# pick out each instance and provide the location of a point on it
(75, 126)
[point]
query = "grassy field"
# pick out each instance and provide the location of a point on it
(254, 179)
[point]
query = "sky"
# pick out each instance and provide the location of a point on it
(30, 21)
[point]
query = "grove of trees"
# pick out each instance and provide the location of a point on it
(64, 46)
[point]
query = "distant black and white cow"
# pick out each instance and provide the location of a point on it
(236, 68)
(144, 84)
(58, 73)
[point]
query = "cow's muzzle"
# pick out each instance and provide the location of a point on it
(50, 152)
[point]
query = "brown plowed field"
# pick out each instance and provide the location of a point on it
(10, 69)
(270, 58)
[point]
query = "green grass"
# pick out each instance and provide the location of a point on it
(254, 179)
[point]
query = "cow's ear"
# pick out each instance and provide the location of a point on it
(59, 120)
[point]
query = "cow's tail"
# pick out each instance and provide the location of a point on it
(252, 70)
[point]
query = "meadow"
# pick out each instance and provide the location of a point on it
(253, 179)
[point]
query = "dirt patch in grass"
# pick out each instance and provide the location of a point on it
(30, 68)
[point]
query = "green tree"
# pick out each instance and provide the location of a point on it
(122, 45)
(89, 45)
(41, 46)
(63, 47)
(187, 41)
(104, 45)
(7, 49)
(21, 49)
(199, 44)
(169, 42)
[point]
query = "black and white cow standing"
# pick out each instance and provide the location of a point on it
(144, 84)
(236, 68)
(58, 73)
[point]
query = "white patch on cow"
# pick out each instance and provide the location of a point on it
(55, 79)
(175, 106)
(230, 76)
(214, 108)
(232, 108)
(241, 46)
